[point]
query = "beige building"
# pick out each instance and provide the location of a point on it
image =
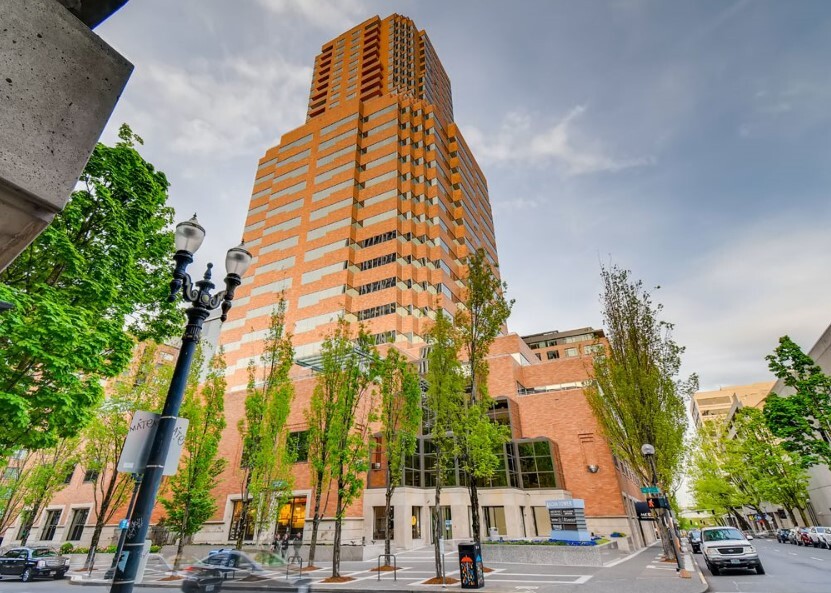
(723, 403)
(819, 486)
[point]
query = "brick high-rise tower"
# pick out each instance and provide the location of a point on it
(367, 209)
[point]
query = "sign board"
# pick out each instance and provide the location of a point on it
(448, 523)
(136, 449)
(568, 520)
(643, 511)
(123, 523)
(650, 490)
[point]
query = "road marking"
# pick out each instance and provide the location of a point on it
(820, 559)
(793, 553)
(527, 587)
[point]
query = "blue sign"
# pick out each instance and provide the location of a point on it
(123, 524)
(650, 490)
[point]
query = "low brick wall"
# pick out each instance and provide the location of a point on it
(545, 554)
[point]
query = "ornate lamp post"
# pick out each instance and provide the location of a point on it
(189, 237)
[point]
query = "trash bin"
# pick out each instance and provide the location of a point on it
(470, 566)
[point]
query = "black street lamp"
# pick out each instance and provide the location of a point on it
(189, 237)
(648, 451)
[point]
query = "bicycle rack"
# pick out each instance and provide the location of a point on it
(387, 563)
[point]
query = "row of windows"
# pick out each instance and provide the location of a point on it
(377, 285)
(377, 239)
(377, 262)
(378, 311)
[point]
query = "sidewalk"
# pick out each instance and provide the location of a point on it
(640, 572)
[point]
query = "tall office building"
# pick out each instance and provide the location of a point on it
(367, 209)
(366, 212)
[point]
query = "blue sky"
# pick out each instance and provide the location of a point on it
(687, 141)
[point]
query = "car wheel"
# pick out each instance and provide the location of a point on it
(760, 569)
(713, 569)
(59, 575)
(26, 576)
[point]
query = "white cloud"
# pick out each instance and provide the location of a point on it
(340, 15)
(734, 303)
(522, 138)
(218, 108)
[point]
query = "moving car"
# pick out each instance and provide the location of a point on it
(208, 575)
(694, 537)
(727, 548)
(32, 563)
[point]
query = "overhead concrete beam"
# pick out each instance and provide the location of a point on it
(59, 83)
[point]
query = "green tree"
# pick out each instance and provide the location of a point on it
(191, 502)
(636, 394)
(480, 321)
(400, 416)
(445, 401)
(266, 458)
(13, 477)
(91, 282)
(48, 475)
(802, 420)
(142, 387)
(713, 483)
(347, 371)
(776, 475)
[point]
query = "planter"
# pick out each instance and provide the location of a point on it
(546, 554)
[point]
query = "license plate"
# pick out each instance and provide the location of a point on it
(734, 561)
(209, 588)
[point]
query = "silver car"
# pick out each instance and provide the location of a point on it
(727, 548)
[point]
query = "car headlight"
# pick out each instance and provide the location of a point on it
(41, 563)
(711, 552)
(749, 550)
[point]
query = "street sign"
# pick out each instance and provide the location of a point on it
(650, 490)
(448, 523)
(136, 449)
(123, 524)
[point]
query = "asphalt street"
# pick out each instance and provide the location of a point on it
(640, 573)
(789, 569)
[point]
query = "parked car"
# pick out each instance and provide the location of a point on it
(803, 537)
(793, 535)
(820, 536)
(782, 535)
(694, 537)
(727, 548)
(32, 563)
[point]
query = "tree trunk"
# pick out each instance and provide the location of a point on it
(666, 537)
(96, 535)
(338, 529)
(802, 514)
(30, 521)
(100, 520)
(316, 518)
(387, 546)
(243, 523)
(474, 509)
(436, 526)
(792, 516)
(181, 544)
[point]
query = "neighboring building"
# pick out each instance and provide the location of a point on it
(365, 213)
(722, 403)
(819, 487)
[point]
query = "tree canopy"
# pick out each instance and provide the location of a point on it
(803, 419)
(83, 291)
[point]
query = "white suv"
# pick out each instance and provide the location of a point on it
(726, 548)
(820, 536)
